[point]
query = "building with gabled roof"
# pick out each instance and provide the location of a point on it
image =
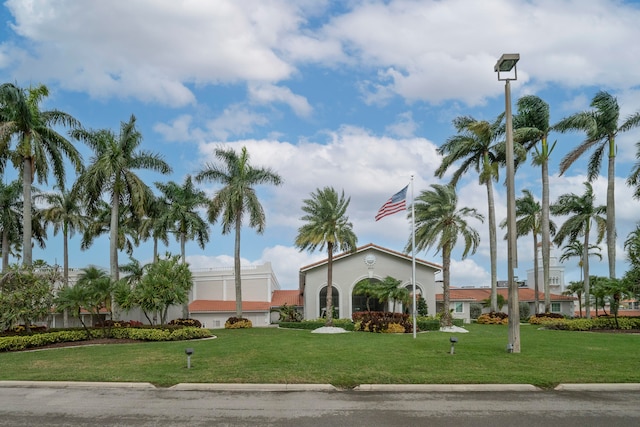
(368, 261)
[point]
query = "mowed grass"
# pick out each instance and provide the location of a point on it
(270, 355)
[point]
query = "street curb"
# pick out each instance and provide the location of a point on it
(75, 384)
(445, 387)
(599, 387)
(253, 387)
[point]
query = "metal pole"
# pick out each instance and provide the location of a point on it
(512, 260)
(413, 257)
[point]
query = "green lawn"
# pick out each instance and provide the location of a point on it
(269, 355)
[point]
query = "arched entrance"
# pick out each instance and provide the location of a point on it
(359, 302)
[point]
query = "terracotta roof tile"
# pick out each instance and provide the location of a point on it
(289, 297)
(480, 294)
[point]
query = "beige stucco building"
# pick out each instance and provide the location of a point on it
(369, 261)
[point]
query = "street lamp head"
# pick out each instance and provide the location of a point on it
(506, 63)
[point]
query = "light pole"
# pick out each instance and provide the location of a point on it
(506, 64)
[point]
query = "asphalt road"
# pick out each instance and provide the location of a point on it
(150, 406)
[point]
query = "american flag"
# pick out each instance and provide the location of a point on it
(395, 204)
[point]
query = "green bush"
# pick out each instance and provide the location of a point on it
(13, 343)
(475, 310)
(186, 322)
(238, 323)
(494, 318)
(380, 321)
(524, 310)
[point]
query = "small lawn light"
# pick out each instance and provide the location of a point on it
(188, 352)
(453, 340)
(509, 348)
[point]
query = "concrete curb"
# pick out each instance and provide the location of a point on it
(75, 384)
(445, 387)
(253, 387)
(599, 387)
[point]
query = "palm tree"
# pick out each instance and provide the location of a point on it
(111, 172)
(584, 213)
(236, 199)
(576, 288)
(65, 212)
(155, 224)
(601, 128)
(632, 246)
(182, 204)
(531, 125)
(10, 218)
(575, 249)
(475, 146)
(326, 224)
(439, 223)
(38, 145)
(529, 220)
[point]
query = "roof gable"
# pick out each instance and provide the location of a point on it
(366, 247)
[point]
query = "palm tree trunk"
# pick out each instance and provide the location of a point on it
(329, 311)
(236, 264)
(27, 177)
(113, 244)
(492, 246)
(611, 211)
(5, 250)
(185, 306)
(65, 269)
(585, 267)
(546, 234)
(535, 273)
(445, 320)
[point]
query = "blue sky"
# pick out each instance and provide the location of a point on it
(356, 95)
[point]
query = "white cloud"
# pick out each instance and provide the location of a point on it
(268, 93)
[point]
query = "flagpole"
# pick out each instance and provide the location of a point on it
(413, 257)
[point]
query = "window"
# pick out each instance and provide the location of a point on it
(335, 297)
(555, 307)
(459, 307)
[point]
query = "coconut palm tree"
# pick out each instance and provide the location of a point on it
(236, 198)
(529, 220)
(10, 218)
(38, 147)
(601, 127)
(583, 214)
(66, 213)
(475, 145)
(111, 172)
(531, 126)
(439, 223)
(182, 204)
(155, 224)
(326, 224)
(575, 249)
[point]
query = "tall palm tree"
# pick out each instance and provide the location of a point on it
(326, 224)
(38, 145)
(111, 172)
(529, 220)
(531, 124)
(10, 218)
(575, 249)
(155, 224)
(236, 198)
(182, 212)
(66, 213)
(601, 127)
(475, 145)
(583, 213)
(129, 226)
(632, 246)
(439, 223)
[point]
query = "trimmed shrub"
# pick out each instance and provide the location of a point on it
(494, 318)
(475, 310)
(238, 323)
(524, 310)
(195, 323)
(379, 321)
